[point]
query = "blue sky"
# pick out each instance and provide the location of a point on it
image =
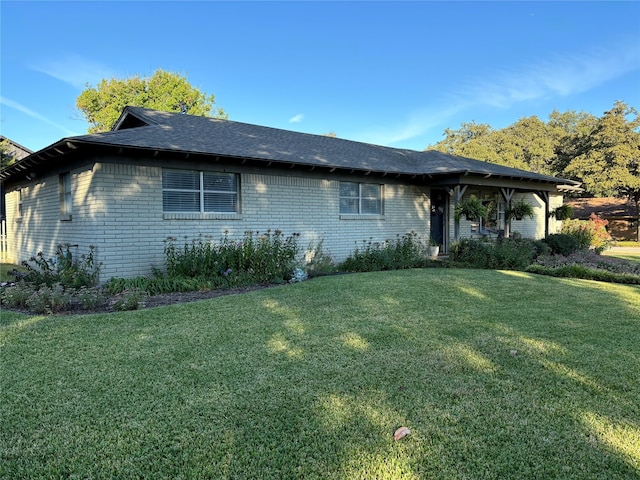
(390, 73)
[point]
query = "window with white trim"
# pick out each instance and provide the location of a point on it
(360, 198)
(190, 191)
(66, 199)
(19, 209)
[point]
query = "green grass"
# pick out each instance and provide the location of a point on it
(633, 256)
(625, 256)
(627, 243)
(6, 267)
(310, 381)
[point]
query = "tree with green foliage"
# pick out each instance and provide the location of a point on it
(574, 127)
(6, 154)
(607, 158)
(101, 106)
(601, 152)
(528, 144)
(472, 140)
(532, 143)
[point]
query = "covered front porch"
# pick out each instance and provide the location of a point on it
(497, 198)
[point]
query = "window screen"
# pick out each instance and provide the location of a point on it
(193, 192)
(65, 193)
(360, 198)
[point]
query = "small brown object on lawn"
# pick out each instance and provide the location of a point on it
(401, 432)
(513, 353)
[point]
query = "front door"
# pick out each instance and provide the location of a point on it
(439, 200)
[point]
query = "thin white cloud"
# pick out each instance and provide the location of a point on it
(562, 75)
(418, 124)
(75, 70)
(297, 119)
(27, 111)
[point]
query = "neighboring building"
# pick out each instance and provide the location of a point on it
(11, 152)
(159, 175)
(14, 151)
(621, 213)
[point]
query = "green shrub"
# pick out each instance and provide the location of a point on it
(590, 233)
(564, 243)
(513, 253)
(161, 284)
(508, 253)
(589, 265)
(63, 269)
(128, 300)
(16, 295)
(258, 258)
(317, 262)
(49, 299)
(586, 273)
(90, 298)
(470, 252)
(406, 251)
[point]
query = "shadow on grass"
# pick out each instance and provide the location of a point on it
(453, 376)
(311, 380)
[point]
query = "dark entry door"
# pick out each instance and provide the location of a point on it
(438, 217)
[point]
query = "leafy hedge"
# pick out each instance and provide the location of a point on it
(406, 251)
(589, 265)
(507, 253)
(585, 273)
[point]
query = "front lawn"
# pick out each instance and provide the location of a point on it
(498, 374)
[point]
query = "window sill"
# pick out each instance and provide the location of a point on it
(361, 217)
(202, 216)
(66, 218)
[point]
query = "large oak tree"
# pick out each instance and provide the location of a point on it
(102, 105)
(601, 152)
(607, 157)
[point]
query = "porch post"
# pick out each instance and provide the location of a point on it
(507, 194)
(456, 192)
(544, 196)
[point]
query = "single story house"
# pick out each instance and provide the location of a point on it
(621, 213)
(157, 175)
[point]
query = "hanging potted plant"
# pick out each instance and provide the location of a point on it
(563, 212)
(519, 210)
(471, 207)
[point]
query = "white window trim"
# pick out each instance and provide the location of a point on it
(360, 215)
(202, 214)
(66, 197)
(19, 205)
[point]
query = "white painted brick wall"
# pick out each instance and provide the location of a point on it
(118, 209)
(130, 228)
(40, 229)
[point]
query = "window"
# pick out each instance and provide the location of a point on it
(19, 211)
(64, 182)
(360, 198)
(185, 191)
(494, 218)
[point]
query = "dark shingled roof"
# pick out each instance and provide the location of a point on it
(142, 128)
